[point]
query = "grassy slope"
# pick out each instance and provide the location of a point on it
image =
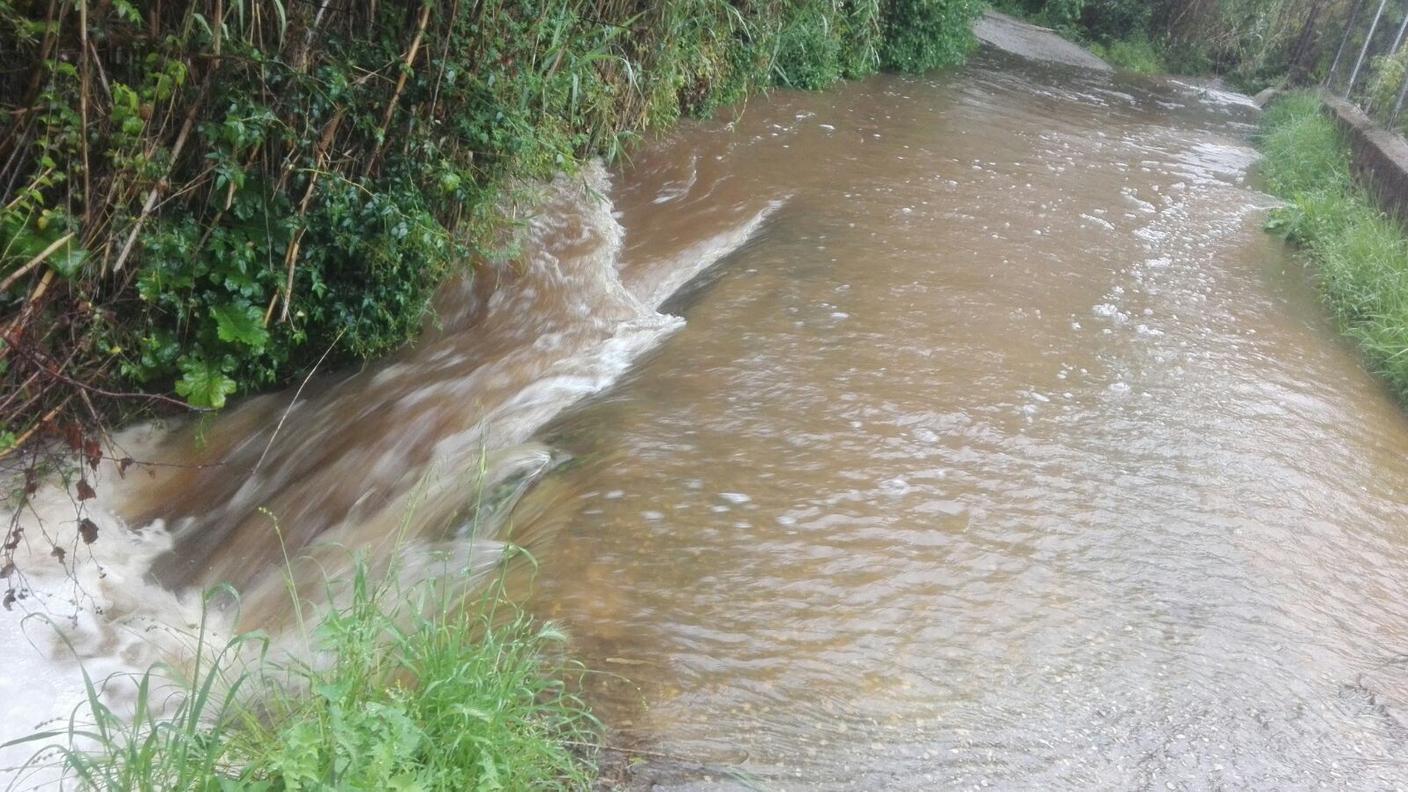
(1361, 253)
(416, 693)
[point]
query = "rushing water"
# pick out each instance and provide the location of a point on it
(1000, 448)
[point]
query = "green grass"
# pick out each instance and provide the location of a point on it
(1120, 42)
(1361, 253)
(407, 690)
(1134, 54)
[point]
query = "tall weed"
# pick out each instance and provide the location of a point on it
(406, 690)
(1361, 254)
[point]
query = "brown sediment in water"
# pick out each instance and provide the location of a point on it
(1000, 448)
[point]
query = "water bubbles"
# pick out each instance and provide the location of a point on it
(1109, 311)
(736, 498)
(895, 486)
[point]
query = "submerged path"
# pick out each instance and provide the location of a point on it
(1000, 449)
(1011, 453)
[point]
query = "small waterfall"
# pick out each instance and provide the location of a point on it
(419, 456)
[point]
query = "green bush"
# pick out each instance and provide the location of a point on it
(809, 46)
(1388, 73)
(1134, 54)
(920, 35)
(228, 191)
(1250, 42)
(1113, 20)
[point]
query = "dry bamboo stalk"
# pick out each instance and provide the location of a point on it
(17, 324)
(186, 126)
(34, 262)
(400, 85)
(291, 257)
(28, 433)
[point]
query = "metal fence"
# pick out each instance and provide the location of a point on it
(1373, 29)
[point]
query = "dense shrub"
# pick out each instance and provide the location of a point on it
(1131, 54)
(926, 34)
(1252, 42)
(1113, 20)
(809, 44)
(206, 197)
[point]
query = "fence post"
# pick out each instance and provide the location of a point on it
(1398, 39)
(1339, 53)
(1368, 39)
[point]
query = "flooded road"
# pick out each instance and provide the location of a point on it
(1011, 453)
(998, 448)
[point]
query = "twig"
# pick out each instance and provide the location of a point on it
(83, 88)
(28, 433)
(28, 310)
(161, 184)
(11, 343)
(294, 401)
(302, 60)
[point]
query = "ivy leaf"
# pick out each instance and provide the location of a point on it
(242, 324)
(204, 384)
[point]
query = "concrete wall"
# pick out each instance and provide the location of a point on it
(1380, 157)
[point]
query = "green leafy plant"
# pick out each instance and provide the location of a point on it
(920, 35)
(225, 191)
(1361, 255)
(409, 688)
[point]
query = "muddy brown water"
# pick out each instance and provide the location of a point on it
(1010, 453)
(999, 448)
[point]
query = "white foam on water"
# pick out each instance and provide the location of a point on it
(564, 328)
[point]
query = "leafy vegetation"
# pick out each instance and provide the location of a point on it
(204, 198)
(1131, 54)
(926, 34)
(1360, 253)
(417, 692)
(1252, 42)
